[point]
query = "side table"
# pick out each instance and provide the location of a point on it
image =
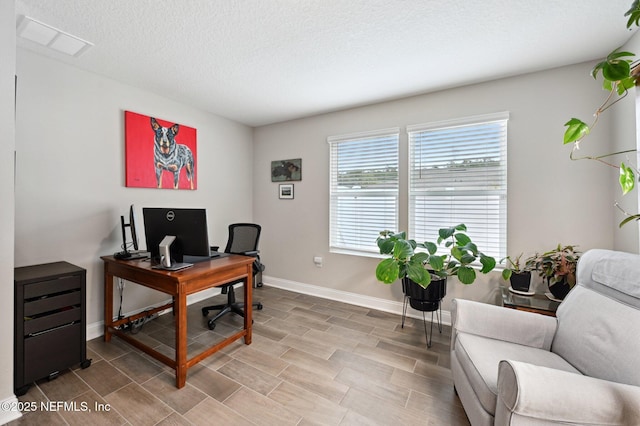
(538, 303)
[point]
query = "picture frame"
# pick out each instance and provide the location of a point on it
(286, 170)
(159, 153)
(286, 191)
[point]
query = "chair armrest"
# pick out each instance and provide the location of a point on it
(530, 393)
(497, 322)
(253, 253)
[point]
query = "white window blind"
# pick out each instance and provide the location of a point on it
(458, 174)
(363, 189)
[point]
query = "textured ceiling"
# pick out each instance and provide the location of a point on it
(265, 61)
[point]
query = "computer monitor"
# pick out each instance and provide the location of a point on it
(189, 226)
(132, 230)
(126, 253)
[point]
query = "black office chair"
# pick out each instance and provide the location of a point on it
(243, 239)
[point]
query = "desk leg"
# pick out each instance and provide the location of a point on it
(248, 307)
(180, 312)
(108, 302)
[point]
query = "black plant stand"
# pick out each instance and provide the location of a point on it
(425, 300)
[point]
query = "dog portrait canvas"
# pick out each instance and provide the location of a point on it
(159, 153)
(286, 170)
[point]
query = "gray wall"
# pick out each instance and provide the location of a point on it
(551, 199)
(7, 148)
(70, 189)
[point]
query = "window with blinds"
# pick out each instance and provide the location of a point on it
(363, 189)
(458, 174)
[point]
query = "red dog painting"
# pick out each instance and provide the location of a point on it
(159, 153)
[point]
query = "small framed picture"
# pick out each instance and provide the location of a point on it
(286, 191)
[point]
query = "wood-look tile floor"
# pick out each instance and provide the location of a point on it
(312, 362)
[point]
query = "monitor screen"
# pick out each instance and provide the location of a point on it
(189, 226)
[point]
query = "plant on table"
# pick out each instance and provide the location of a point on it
(514, 265)
(557, 266)
(406, 260)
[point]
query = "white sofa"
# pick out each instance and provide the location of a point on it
(583, 367)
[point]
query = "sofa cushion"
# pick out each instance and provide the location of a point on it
(599, 336)
(480, 357)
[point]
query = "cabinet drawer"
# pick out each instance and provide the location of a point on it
(51, 321)
(52, 286)
(52, 351)
(47, 304)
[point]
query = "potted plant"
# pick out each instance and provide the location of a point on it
(558, 268)
(518, 274)
(421, 266)
(424, 272)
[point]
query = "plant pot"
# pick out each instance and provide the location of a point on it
(425, 299)
(520, 281)
(559, 289)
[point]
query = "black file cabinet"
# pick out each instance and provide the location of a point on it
(50, 322)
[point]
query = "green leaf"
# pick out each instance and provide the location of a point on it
(436, 262)
(385, 245)
(445, 233)
(432, 248)
(488, 263)
(466, 275)
(467, 258)
(629, 219)
(616, 70)
(576, 130)
(633, 13)
(506, 274)
(418, 274)
(617, 55)
(597, 68)
(627, 179)
(419, 258)
(402, 250)
(462, 239)
(387, 271)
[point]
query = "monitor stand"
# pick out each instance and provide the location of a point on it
(176, 266)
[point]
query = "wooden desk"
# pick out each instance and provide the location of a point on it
(178, 284)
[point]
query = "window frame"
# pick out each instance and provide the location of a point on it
(498, 196)
(368, 249)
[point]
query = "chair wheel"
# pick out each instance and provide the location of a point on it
(205, 312)
(259, 306)
(259, 285)
(212, 325)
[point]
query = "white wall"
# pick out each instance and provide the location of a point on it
(551, 199)
(7, 149)
(70, 175)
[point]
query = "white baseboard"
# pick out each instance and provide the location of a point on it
(96, 329)
(12, 413)
(377, 303)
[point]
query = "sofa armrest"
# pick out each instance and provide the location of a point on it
(544, 395)
(496, 322)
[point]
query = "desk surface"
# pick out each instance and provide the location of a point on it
(178, 284)
(536, 303)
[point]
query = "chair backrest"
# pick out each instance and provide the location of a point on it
(243, 237)
(599, 320)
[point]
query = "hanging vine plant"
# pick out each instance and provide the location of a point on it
(618, 75)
